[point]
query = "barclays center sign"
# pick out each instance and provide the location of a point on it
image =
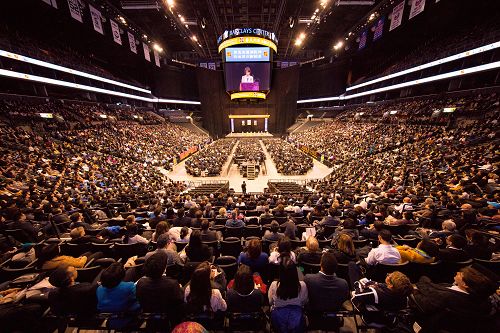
(247, 32)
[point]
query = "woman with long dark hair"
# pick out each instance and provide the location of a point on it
(196, 251)
(244, 294)
(199, 295)
(287, 297)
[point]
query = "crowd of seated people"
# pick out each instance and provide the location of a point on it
(288, 159)
(211, 159)
(248, 151)
(429, 197)
(424, 111)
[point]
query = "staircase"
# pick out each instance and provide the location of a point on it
(251, 172)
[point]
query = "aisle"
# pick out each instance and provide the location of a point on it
(232, 175)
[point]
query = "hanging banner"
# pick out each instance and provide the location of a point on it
(54, 3)
(362, 39)
(145, 48)
(96, 19)
(417, 6)
(116, 32)
(379, 28)
(397, 16)
(74, 10)
(131, 42)
(211, 65)
(48, 2)
(203, 64)
(157, 58)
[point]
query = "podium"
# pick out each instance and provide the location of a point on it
(246, 86)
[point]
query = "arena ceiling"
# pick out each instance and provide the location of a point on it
(188, 29)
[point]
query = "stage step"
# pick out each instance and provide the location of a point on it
(251, 171)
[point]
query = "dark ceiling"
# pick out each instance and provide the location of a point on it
(179, 28)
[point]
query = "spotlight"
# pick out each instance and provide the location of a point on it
(157, 47)
(170, 3)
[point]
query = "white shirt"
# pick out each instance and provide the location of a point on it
(247, 79)
(384, 254)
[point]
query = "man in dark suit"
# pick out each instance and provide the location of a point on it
(454, 251)
(181, 220)
(157, 292)
(326, 291)
(71, 297)
(208, 235)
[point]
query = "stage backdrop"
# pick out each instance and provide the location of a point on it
(216, 106)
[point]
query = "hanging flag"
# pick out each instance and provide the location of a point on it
(211, 65)
(96, 19)
(417, 6)
(54, 3)
(203, 64)
(74, 10)
(379, 28)
(116, 32)
(362, 39)
(157, 58)
(145, 48)
(48, 2)
(131, 42)
(397, 16)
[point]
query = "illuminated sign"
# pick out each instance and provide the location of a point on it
(449, 110)
(247, 31)
(46, 115)
(247, 54)
(248, 40)
(248, 95)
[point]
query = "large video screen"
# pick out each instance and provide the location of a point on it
(247, 54)
(247, 76)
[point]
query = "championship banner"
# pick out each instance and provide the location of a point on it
(131, 42)
(116, 32)
(96, 19)
(145, 48)
(379, 29)
(284, 64)
(203, 65)
(417, 6)
(74, 10)
(397, 15)
(362, 39)
(157, 58)
(211, 65)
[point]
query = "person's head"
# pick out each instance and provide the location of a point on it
(75, 217)
(289, 285)
(130, 219)
(113, 275)
(132, 229)
(198, 215)
(49, 252)
(476, 280)
(154, 267)
(163, 241)
(384, 236)
(161, 228)
(200, 286)
(195, 239)
(63, 277)
(478, 238)
(205, 225)
(248, 71)
(399, 283)
(284, 246)
(428, 246)
(254, 248)
(448, 225)
(328, 263)
(370, 218)
(378, 225)
(290, 230)
(222, 211)
(349, 223)
(274, 227)
(243, 280)
(312, 244)
(456, 240)
(77, 232)
(184, 232)
(345, 244)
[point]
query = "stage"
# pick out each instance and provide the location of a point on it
(250, 135)
(230, 172)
